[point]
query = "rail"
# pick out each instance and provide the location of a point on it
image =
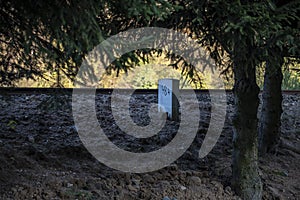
(12, 90)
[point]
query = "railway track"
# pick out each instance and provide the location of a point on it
(12, 90)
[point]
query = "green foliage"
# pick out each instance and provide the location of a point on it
(246, 30)
(145, 74)
(291, 81)
(38, 36)
(291, 75)
(53, 36)
(47, 40)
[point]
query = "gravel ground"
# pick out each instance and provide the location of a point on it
(42, 156)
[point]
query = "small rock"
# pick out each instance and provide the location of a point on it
(14, 190)
(119, 188)
(173, 167)
(182, 176)
(182, 188)
(274, 191)
(127, 178)
(148, 178)
(195, 180)
(31, 139)
(166, 198)
(165, 183)
(228, 190)
(136, 182)
(20, 189)
(131, 188)
(218, 186)
(69, 185)
(174, 173)
(189, 173)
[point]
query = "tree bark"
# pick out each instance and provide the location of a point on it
(270, 118)
(246, 180)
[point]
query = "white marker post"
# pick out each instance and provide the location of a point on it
(168, 89)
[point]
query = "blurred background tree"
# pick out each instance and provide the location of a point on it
(48, 39)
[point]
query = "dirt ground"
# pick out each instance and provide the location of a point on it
(42, 156)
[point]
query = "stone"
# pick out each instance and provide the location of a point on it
(195, 180)
(148, 178)
(274, 191)
(69, 185)
(182, 188)
(31, 139)
(132, 188)
(228, 190)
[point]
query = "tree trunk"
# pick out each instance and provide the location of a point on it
(270, 118)
(246, 180)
